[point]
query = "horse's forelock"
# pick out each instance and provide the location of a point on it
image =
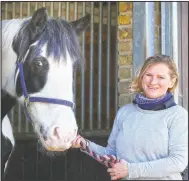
(61, 39)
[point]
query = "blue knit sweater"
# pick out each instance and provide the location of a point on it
(154, 143)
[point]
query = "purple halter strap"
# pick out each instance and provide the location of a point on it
(29, 99)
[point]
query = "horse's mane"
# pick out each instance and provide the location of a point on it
(58, 34)
(61, 37)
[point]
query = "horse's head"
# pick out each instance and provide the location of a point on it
(47, 50)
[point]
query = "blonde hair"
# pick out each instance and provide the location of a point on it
(136, 86)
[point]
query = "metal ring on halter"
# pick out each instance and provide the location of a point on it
(27, 101)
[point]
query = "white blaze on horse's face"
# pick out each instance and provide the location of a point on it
(57, 121)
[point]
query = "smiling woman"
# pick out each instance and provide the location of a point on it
(149, 136)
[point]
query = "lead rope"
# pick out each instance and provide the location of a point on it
(99, 158)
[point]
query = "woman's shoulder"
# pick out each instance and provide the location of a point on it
(126, 108)
(123, 111)
(177, 114)
(177, 117)
(179, 110)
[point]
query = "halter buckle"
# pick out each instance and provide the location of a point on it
(27, 101)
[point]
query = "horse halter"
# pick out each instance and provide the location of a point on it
(29, 99)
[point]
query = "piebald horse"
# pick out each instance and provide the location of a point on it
(39, 54)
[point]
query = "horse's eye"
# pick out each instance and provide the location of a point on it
(38, 63)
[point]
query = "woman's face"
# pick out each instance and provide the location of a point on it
(156, 80)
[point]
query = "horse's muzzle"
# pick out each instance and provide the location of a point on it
(54, 140)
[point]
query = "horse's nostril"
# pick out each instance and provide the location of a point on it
(43, 132)
(56, 132)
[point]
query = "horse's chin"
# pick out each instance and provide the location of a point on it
(43, 150)
(50, 148)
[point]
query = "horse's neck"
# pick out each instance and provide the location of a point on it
(7, 102)
(9, 30)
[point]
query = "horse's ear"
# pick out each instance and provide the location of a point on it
(38, 21)
(81, 24)
(30, 33)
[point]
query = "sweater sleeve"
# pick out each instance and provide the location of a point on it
(110, 149)
(177, 158)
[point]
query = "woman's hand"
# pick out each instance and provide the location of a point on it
(118, 170)
(77, 142)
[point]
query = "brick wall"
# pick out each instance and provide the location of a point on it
(125, 51)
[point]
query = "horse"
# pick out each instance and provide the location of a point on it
(39, 55)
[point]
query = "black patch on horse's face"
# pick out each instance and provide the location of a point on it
(35, 67)
(35, 72)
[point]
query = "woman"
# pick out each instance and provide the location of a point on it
(149, 136)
